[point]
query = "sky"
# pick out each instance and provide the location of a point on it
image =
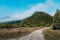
(20, 9)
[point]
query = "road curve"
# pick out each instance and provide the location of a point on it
(36, 35)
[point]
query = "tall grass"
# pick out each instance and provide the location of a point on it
(50, 34)
(16, 32)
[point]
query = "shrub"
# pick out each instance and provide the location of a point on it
(56, 26)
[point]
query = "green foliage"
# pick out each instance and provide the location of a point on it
(8, 25)
(37, 19)
(11, 24)
(56, 24)
(5, 26)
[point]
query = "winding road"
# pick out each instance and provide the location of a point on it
(36, 35)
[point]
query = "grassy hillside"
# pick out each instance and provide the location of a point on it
(37, 19)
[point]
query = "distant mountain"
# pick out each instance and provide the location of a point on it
(5, 17)
(13, 22)
(37, 19)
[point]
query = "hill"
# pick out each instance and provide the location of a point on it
(37, 19)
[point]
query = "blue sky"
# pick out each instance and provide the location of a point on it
(20, 9)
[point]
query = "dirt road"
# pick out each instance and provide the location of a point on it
(36, 35)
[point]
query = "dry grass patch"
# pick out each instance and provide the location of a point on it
(50, 34)
(16, 32)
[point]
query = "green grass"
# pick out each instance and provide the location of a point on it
(50, 34)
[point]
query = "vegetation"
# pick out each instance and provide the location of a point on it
(8, 25)
(56, 19)
(16, 32)
(38, 19)
(50, 34)
(11, 24)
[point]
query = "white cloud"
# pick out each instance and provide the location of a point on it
(49, 6)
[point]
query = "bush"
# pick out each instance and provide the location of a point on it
(56, 26)
(6, 26)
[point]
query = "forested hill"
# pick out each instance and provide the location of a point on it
(37, 19)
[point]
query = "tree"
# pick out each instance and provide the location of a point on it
(56, 20)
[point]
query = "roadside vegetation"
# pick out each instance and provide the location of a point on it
(56, 20)
(50, 34)
(16, 32)
(54, 32)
